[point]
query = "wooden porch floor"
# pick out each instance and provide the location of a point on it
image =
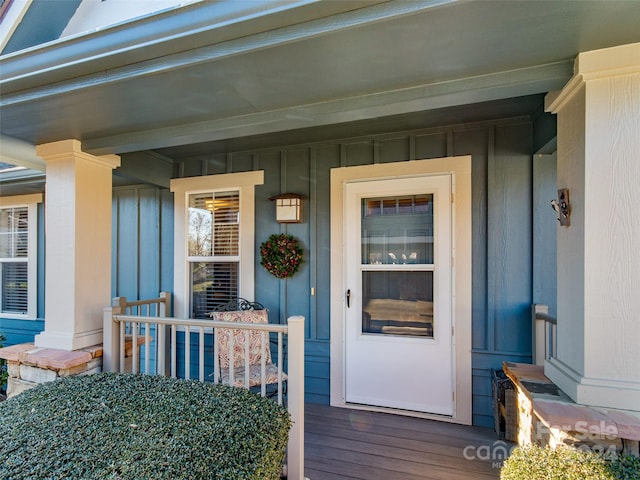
(352, 444)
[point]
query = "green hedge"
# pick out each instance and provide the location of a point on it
(136, 426)
(537, 463)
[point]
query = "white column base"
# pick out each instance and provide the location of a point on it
(68, 341)
(594, 392)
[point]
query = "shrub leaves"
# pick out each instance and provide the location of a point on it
(124, 426)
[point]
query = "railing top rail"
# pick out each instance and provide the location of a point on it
(138, 303)
(547, 318)
(192, 322)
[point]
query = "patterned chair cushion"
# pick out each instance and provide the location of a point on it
(256, 346)
(255, 375)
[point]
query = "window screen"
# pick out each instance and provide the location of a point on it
(14, 257)
(214, 249)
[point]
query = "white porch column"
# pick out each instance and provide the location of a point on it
(598, 332)
(78, 245)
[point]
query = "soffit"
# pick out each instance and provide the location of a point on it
(306, 66)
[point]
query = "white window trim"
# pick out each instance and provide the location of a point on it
(245, 182)
(31, 202)
(12, 18)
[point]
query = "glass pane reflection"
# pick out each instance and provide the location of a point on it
(398, 303)
(397, 230)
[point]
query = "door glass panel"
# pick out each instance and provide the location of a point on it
(396, 232)
(397, 303)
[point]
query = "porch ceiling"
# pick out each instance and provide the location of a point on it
(189, 76)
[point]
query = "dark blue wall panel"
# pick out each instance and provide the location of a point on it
(545, 227)
(475, 142)
(20, 331)
(142, 261)
(326, 158)
(267, 288)
(483, 363)
(509, 224)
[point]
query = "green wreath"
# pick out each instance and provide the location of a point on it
(281, 255)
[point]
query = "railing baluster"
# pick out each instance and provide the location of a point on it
(174, 371)
(134, 346)
(123, 331)
(147, 347)
(187, 353)
(279, 368)
(246, 359)
(216, 357)
(264, 344)
(201, 359)
(160, 349)
(232, 379)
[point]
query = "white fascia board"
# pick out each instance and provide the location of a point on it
(182, 37)
(12, 18)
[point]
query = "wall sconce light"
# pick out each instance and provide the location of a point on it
(288, 207)
(562, 207)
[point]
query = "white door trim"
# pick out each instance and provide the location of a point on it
(460, 167)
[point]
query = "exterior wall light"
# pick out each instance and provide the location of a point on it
(562, 206)
(288, 207)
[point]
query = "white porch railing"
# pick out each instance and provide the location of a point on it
(144, 325)
(544, 334)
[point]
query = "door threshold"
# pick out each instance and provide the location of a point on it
(398, 411)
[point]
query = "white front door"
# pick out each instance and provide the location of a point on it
(398, 308)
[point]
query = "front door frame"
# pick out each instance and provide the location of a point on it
(460, 168)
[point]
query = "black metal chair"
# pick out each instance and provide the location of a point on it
(238, 304)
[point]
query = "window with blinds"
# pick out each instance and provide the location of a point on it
(14, 258)
(213, 249)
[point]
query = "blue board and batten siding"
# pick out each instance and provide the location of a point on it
(507, 275)
(503, 272)
(142, 240)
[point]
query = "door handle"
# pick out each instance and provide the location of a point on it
(348, 298)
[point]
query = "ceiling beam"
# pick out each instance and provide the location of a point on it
(19, 153)
(494, 86)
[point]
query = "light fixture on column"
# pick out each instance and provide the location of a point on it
(562, 206)
(288, 207)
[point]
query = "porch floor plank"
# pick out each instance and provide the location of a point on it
(343, 444)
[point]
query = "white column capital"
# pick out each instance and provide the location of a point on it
(594, 65)
(71, 148)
